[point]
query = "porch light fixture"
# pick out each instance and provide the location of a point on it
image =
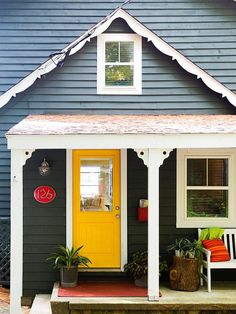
(44, 169)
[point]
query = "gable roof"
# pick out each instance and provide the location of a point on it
(137, 27)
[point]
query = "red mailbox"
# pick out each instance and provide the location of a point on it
(142, 214)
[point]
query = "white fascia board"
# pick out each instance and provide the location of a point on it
(119, 141)
(141, 30)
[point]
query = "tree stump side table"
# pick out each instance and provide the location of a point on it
(184, 274)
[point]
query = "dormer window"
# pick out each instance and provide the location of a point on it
(119, 64)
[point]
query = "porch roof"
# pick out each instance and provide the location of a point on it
(123, 131)
(124, 124)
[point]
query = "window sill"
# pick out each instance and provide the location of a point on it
(119, 91)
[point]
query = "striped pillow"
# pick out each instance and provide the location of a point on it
(218, 250)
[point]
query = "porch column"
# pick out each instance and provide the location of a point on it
(153, 158)
(18, 159)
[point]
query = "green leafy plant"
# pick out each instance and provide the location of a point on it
(192, 249)
(138, 266)
(178, 247)
(66, 257)
(186, 248)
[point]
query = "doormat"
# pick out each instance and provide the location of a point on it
(103, 289)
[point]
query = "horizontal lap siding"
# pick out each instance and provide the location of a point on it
(204, 31)
(44, 224)
(137, 189)
(167, 89)
(72, 89)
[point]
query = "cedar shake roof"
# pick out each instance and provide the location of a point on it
(124, 124)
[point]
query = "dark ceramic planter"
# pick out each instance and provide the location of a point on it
(141, 282)
(69, 276)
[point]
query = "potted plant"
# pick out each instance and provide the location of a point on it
(138, 268)
(184, 273)
(185, 248)
(178, 247)
(67, 261)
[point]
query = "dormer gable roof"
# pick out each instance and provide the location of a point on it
(58, 59)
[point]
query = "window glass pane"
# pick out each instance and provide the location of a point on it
(208, 203)
(196, 172)
(217, 172)
(112, 51)
(119, 75)
(126, 51)
(96, 184)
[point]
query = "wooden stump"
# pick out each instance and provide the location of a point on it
(184, 274)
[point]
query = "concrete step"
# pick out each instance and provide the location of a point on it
(41, 304)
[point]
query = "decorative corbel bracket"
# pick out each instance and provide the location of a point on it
(26, 154)
(20, 159)
(144, 155)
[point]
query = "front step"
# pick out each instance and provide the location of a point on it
(41, 304)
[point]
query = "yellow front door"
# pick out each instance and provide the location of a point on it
(96, 206)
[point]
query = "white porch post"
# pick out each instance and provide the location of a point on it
(18, 159)
(153, 224)
(153, 159)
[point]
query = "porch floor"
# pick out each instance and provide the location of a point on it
(222, 297)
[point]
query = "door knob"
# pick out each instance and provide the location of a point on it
(117, 216)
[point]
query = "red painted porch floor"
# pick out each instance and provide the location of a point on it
(103, 289)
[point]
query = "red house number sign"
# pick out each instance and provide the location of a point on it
(44, 194)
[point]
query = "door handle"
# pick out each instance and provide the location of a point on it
(117, 216)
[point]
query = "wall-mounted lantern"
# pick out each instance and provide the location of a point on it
(44, 169)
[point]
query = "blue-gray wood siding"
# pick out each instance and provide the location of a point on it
(167, 88)
(43, 224)
(204, 31)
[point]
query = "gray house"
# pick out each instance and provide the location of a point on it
(123, 101)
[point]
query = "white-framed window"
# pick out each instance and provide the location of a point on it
(206, 188)
(119, 64)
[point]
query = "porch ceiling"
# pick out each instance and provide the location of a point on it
(123, 131)
(124, 124)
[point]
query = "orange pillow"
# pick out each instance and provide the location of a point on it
(218, 250)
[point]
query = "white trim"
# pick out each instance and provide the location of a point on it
(123, 203)
(18, 159)
(69, 217)
(182, 221)
(115, 141)
(137, 63)
(153, 226)
(138, 28)
(155, 160)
